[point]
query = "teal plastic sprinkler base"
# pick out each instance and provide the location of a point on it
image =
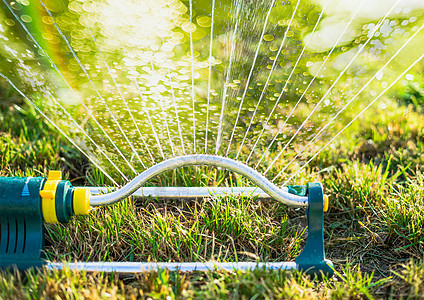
(24, 204)
(21, 222)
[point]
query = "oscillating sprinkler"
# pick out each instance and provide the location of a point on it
(28, 202)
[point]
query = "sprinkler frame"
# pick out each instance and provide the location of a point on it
(25, 202)
(281, 195)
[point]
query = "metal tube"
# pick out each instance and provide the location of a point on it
(200, 159)
(189, 192)
(137, 267)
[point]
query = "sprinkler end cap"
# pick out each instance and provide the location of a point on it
(81, 201)
(326, 203)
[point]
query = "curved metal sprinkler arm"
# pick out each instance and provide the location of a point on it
(281, 195)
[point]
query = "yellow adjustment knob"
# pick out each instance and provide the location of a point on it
(55, 175)
(81, 201)
(48, 195)
(326, 203)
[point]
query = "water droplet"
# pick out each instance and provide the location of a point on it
(16, 5)
(409, 77)
(188, 27)
(268, 37)
(204, 21)
(282, 22)
(9, 22)
(26, 18)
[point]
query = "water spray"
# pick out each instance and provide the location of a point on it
(26, 203)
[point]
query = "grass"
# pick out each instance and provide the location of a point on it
(374, 228)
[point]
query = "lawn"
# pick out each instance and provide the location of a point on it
(373, 229)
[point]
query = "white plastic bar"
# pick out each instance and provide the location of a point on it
(189, 192)
(137, 267)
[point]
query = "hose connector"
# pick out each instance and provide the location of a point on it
(81, 201)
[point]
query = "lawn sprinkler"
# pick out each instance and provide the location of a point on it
(27, 202)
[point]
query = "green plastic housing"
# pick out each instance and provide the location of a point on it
(21, 219)
(21, 222)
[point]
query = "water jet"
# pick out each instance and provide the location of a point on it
(235, 79)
